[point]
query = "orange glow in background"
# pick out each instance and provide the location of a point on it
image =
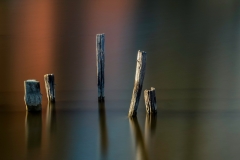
(32, 41)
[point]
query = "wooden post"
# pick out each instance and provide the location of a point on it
(49, 85)
(33, 96)
(139, 77)
(150, 101)
(100, 41)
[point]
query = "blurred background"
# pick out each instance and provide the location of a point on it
(191, 45)
(193, 62)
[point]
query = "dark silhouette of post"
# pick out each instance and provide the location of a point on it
(139, 77)
(100, 42)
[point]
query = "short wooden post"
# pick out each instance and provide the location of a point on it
(100, 41)
(139, 77)
(33, 96)
(49, 85)
(150, 101)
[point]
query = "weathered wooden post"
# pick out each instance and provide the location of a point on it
(100, 41)
(33, 96)
(139, 77)
(150, 101)
(49, 85)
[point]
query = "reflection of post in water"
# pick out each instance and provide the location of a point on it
(150, 127)
(141, 152)
(33, 126)
(51, 117)
(150, 124)
(103, 128)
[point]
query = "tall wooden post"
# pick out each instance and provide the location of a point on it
(33, 96)
(100, 41)
(139, 77)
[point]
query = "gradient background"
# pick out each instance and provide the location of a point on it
(193, 62)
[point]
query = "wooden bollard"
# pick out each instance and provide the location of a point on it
(33, 96)
(49, 85)
(100, 41)
(150, 101)
(139, 77)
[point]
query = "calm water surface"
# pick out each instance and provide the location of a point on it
(193, 62)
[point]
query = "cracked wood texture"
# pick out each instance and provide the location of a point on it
(150, 101)
(100, 49)
(33, 96)
(49, 85)
(139, 77)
